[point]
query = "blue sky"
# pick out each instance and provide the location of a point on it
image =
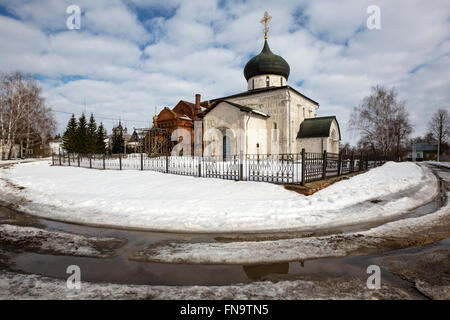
(134, 56)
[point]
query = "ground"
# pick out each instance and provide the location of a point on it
(412, 245)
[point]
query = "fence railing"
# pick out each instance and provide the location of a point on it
(281, 168)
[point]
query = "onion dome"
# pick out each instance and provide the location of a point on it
(266, 63)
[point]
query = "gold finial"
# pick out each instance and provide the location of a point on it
(265, 22)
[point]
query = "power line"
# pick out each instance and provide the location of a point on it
(106, 118)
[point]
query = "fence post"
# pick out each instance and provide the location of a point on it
(60, 159)
(90, 161)
(167, 163)
(120, 161)
(142, 161)
(360, 165)
(200, 166)
(303, 166)
(324, 164)
(352, 163)
(53, 159)
(339, 163)
(78, 159)
(241, 168)
(104, 162)
(68, 158)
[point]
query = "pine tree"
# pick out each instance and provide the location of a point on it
(69, 136)
(82, 135)
(101, 136)
(118, 142)
(92, 135)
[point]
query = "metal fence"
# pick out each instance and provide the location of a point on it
(281, 168)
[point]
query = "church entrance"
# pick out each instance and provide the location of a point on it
(226, 147)
(227, 143)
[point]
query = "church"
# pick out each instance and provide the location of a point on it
(270, 117)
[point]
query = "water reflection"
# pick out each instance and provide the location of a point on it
(255, 272)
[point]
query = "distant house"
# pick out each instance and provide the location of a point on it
(56, 146)
(422, 151)
(119, 129)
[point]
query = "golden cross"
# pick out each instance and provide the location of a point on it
(265, 22)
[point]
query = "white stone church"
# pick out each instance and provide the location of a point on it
(271, 116)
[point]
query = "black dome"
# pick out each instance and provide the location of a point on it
(266, 63)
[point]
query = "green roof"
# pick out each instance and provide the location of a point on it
(317, 127)
(266, 63)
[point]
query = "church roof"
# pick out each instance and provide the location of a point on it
(266, 63)
(316, 127)
(240, 107)
(255, 91)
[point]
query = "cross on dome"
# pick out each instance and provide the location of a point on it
(265, 21)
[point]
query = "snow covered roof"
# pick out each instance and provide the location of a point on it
(240, 107)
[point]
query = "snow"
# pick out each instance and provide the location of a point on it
(275, 251)
(22, 286)
(417, 230)
(43, 241)
(21, 160)
(157, 201)
(440, 163)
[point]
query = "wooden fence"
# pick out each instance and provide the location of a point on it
(282, 168)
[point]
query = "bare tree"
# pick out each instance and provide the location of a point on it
(382, 122)
(24, 117)
(439, 128)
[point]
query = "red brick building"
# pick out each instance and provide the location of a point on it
(182, 116)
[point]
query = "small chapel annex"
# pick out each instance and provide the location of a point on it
(274, 117)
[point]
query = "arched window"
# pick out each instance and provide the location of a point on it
(267, 81)
(274, 132)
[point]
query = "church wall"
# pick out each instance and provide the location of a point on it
(315, 145)
(333, 140)
(274, 103)
(256, 139)
(225, 116)
(301, 109)
(260, 81)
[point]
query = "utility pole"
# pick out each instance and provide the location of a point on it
(440, 136)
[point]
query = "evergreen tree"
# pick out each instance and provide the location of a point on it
(92, 135)
(69, 136)
(118, 142)
(82, 135)
(101, 136)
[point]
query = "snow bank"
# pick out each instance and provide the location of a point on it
(44, 241)
(440, 163)
(255, 252)
(21, 286)
(157, 201)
